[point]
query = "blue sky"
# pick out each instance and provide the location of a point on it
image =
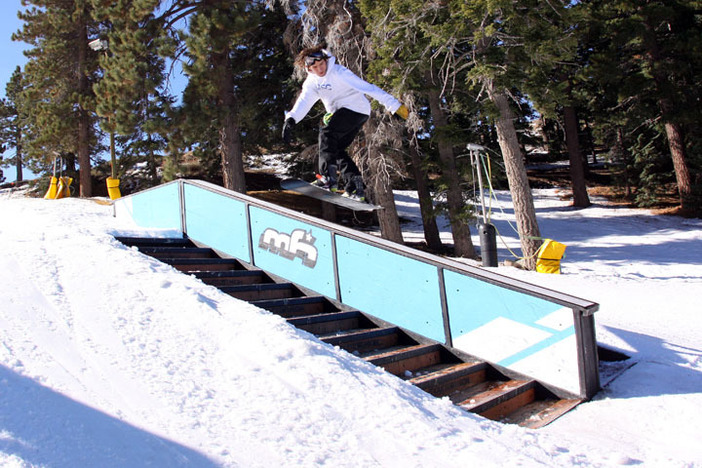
(11, 56)
(10, 51)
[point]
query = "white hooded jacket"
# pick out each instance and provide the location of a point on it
(338, 88)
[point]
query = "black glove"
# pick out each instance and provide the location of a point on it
(287, 130)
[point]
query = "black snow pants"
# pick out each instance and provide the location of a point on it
(334, 139)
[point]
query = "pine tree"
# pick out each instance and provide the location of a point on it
(8, 114)
(405, 63)
(130, 95)
(262, 70)
(209, 47)
(649, 53)
(13, 122)
(508, 39)
(445, 45)
(58, 96)
(223, 47)
(552, 83)
(495, 49)
(237, 63)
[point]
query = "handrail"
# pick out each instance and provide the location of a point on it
(584, 306)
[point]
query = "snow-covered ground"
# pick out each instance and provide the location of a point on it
(110, 358)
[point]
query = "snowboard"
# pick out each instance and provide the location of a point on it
(307, 189)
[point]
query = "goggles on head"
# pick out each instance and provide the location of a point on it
(314, 57)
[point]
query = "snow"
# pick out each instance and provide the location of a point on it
(111, 358)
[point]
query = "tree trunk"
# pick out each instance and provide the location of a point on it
(18, 156)
(524, 211)
(622, 155)
(83, 149)
(545, 139)
(677, 153)
(230, 133)
(151, 163)
(463, 244)
(590, 143)
(426, 205)
(577, 167)
(387, 217)
(151, 158)
(377, 178)
(672, 129)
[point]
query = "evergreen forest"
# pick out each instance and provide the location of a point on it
(611, 86)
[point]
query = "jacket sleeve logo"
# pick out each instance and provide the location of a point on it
(297, 244)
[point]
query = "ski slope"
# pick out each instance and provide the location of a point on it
(110, 358)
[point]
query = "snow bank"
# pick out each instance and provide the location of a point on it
(110, 358)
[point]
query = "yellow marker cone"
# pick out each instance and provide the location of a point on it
(548, 258)
(113, 188)
(64, 187)
(53, 189)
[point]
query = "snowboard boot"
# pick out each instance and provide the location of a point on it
(355, 190)
(326, 183)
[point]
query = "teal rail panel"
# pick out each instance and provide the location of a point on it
(390, 286)
(217, 221)
(157, 208)
(297, 251)
(520, 332)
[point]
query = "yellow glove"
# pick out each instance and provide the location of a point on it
(403, 112)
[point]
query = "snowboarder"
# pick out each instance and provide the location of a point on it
(343, 95)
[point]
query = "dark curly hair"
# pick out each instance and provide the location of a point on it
(304, 53)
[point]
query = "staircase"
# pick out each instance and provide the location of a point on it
(474, 385)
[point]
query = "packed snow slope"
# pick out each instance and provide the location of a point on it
(110, 358)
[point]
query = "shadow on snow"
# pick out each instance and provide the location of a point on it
(44, 427)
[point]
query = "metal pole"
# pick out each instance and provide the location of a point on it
(113, 159)
(487, 232)
(480, 184)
